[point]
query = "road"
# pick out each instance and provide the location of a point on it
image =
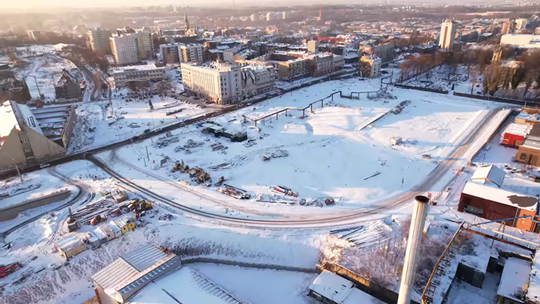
(333, 220)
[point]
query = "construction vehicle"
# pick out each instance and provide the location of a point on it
(6, 270)
(284, 191)
(234, 192)
(220, 182)
(199, 175)
(178, 166)
(72, 222)
(98, 219)
(139, 206)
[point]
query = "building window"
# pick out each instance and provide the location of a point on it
(523, 156)
(26, 150)
(25, 141)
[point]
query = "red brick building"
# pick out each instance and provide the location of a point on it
(492, 203)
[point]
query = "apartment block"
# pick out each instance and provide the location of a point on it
(192, 53)
(124, 49)
(98, 40)
(293, 69)
(219, 82)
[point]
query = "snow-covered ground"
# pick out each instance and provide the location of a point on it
(42, 72)
(336, 151)
(99, 124)
(332, 152)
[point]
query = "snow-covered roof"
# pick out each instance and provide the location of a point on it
(533, 292)
(489, 174)
(359, 297)
(186, 286)
(518, 129)
(7, 116)
(68, 242)
(124, 269)
(332, 286)
(514, 278)
(501, 196)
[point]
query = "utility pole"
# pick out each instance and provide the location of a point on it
(17, 168)
(147, 155)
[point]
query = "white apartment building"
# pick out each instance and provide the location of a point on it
(521, 24)
(522, 41)
(270, 16)
(124, 49)
(447, 35)
(257, 80)
(219, 82)
(122, 76)
(98, 40)
(192, 53)
(370, 66)
(254, 17)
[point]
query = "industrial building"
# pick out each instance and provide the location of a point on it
(121, 76)
(127, 275)
(514, 135)
(330, 288)
(486, 197)
(33, 137)
(529, 151)
(219, 82)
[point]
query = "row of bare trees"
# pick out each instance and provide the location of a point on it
(93, 58)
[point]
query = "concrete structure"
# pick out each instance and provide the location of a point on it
(68, 86)
(124, 277)
(447, 34)
(122, 76)
(333, 289)
(192, 53)
(22, 140)
(12, 211)
(418, 220)
(293, 69)
(98, 40)
(125, 49)
(34, 35)
(219, 82)
(13, 89)
(257, 80)
(169, 52)
(514, 281)
(313, 46)
(521, 41)
(505, 29)
(370, 66)
(521, 24)
(56, 123)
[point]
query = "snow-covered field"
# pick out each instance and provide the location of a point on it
(99, 124)
(336, 151)
(42, 72)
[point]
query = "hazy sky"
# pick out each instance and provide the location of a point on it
(28, 4)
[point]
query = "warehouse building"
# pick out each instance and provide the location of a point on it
(486, 197)
(130, 273)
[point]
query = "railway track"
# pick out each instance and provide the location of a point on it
(333, 220)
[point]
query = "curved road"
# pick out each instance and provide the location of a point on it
(350, 217)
